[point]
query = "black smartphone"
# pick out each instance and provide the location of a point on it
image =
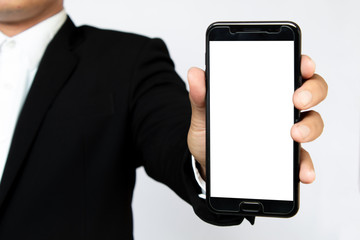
(252, 70)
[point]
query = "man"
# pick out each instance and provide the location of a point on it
(82, 108)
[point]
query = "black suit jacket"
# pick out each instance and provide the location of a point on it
(102, 104)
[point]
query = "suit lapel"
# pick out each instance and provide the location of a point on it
(55, 68)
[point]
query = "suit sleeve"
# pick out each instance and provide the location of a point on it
(160, 118)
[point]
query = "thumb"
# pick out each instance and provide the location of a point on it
(196, 79)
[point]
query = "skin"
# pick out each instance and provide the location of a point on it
(310, 94)
(18, 15)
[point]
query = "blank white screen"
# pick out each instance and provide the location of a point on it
(251, 113)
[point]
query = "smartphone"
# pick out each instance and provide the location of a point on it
(252, 70)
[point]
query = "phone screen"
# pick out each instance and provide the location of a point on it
(252, 84)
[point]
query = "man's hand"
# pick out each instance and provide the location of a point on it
(311, 93)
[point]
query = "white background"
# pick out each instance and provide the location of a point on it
(330, 208)
(251, 147)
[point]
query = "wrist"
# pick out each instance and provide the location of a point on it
(201, 169)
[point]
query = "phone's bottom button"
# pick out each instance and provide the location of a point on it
(250, 207)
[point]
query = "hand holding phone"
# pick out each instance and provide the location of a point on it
(312, 83)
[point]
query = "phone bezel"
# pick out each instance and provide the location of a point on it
(254, 31)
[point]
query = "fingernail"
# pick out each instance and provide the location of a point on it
(305, 97)
(304, 130)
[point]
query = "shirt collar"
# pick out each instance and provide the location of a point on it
(33, 41)
(3, 38)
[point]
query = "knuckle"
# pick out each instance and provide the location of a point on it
(305, 154)
(317, 121)
(321, 84)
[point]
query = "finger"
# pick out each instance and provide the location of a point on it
(196, 79)
(307, 172)
(309, 128)
(311, 93)
(307, 67)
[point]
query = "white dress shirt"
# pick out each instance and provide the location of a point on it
(201, 182)
(20, 56)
